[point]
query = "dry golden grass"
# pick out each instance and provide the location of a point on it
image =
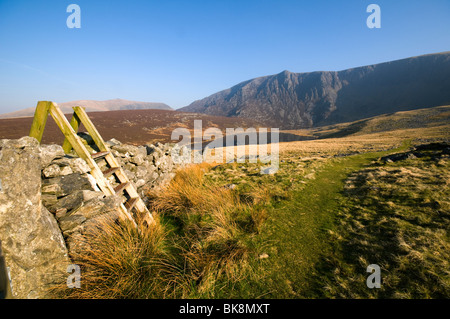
(188, 192)
(375, 134)
(121, 261)
(214, 226)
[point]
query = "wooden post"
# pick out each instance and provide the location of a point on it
(75, 124)
(81, 113)
(40, 119)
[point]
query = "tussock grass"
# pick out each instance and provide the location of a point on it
(202, 245)
(188, 192)
(215, 227)
(121, 261)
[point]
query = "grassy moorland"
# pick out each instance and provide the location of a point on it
(136, 127)
(309, 231)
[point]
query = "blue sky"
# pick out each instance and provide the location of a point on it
(180, 51)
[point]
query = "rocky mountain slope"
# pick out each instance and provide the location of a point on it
(298, 100)
(95, 106)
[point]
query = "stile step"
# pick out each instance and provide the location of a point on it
(131, 202)
(110, 171)
(120, 187)
(99, 155)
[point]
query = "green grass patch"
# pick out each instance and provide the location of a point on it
(397, 216)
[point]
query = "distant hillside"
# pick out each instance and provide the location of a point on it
(301, 100)
(438, 116)
(131, 126)
(95, 106)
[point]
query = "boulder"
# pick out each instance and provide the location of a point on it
(51, 189)
(139, 183)
(138, 159)
(20, 143)
(141, 172)
(113, 142)
(268, 170)
(78, 165)
(398, 157)
(126, 150)
(49, 200)
(142, 151)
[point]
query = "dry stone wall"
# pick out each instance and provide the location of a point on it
(48, 200)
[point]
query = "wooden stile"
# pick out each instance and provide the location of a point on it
(72, 140)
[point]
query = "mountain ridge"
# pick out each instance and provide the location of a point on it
(300, 100)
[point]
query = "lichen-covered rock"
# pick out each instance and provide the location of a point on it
(78, 165)
(49, 153)
(74, 200)
(126, 150)
(32, 242)
(52, 170)
(20, 143)
(113, 142)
